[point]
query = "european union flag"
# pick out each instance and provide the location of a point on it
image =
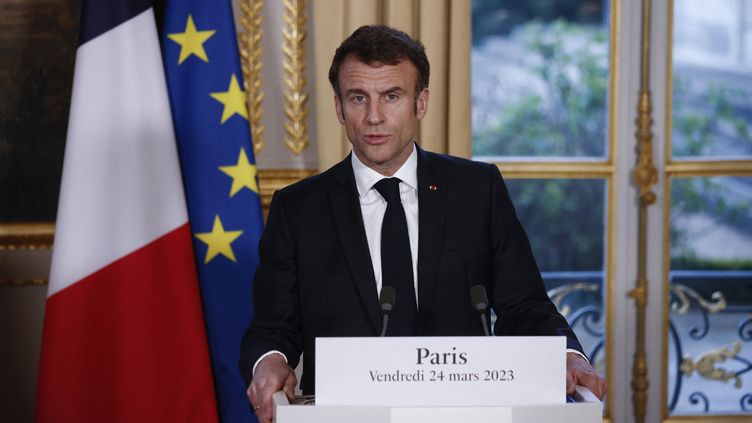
(219, 172)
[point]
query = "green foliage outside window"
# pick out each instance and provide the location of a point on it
(706, 120)
(569, 117)
(564, 219)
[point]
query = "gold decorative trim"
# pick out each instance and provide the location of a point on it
(667, 180)
(556, 169)
(610, 287)
(639, 386)
(558, 294)
(666, 289)
(706, 365)
(615, 76)
(251, 19)
(645, 175)
(294, 65)
(683, 302)
(640, 292)
(615, 21)
(709, 167)
(26, 236)
(23, 282)
(271, 180)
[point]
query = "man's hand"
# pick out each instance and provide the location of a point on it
(271, 375)
(580, 372)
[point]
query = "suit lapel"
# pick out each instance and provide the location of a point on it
(432, 193)
(348, 219)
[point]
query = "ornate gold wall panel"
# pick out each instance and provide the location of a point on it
(251, 20)
(271, 180)
(26, 236)
(295, 80)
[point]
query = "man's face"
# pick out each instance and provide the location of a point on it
(380, 111)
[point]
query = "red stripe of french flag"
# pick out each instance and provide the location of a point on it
(124, 336)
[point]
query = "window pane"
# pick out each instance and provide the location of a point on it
(540, 78)
(710, 324)
(712, 92)
(565, 221)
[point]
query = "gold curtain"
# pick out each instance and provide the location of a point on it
(443, 26)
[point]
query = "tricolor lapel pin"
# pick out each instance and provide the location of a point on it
(432, 188)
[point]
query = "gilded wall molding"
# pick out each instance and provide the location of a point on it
(271, 180)
(251, 19)
(295, 80)
(23, 282)
(26, 236)
(555, 169)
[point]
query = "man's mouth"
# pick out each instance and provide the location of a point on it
(375, 139)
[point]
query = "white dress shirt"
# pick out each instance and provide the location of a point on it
(373, 207)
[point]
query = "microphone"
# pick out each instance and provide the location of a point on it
(387, 300)
(480, 301)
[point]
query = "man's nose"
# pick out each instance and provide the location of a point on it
(375, 115)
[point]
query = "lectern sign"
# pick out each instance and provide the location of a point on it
(441, 371)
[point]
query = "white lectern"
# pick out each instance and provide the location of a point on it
(441, 379)
(588, 409)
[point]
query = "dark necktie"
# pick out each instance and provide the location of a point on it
(396, 261)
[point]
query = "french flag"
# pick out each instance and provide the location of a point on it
(124, 336)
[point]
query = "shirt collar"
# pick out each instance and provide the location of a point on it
(365, 177)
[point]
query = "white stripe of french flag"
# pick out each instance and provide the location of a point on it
(124, 336)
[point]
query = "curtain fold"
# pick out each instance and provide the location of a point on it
(443, 26)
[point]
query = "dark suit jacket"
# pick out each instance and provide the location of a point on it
(315, 278)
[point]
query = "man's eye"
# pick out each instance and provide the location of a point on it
(358, 98)
(391, 97)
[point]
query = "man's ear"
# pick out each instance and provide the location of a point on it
(421, 104)
(338, 110)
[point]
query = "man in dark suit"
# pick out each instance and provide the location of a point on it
(325, 254)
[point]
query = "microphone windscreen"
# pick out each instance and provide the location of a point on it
(478, 297)
(387, 298)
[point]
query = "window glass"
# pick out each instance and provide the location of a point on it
(712, 79)
(710, 320)
(540, 78)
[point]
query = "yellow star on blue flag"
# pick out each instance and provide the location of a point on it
(191, 41)
(219, 241)
(243, 174)
(233, 100)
